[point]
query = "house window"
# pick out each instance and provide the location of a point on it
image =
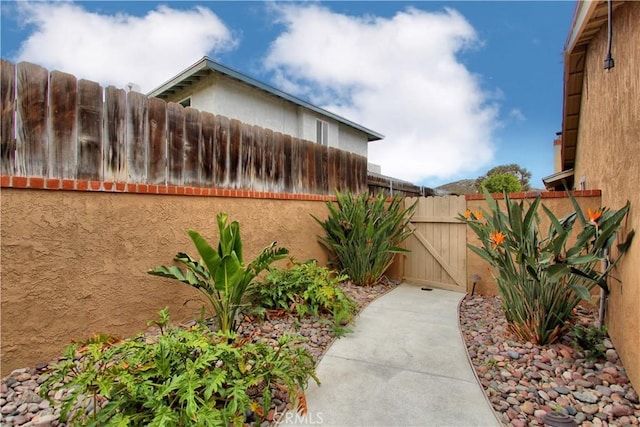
(186, 102)
(322, 132)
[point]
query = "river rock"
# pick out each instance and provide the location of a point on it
(585, 397)
(590, 409)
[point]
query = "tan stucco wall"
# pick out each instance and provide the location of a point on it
(608, 156)
(74, 263)
(476, 265)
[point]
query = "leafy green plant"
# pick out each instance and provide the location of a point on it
(221, 275)
(542, 277)
(363, 233)
(180, 378)
(522, 174)
(591, 339)
(308, 289)
(490, 362)
(500, 183)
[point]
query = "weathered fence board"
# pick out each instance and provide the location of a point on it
(343, 170)
(56, 126)
(250, 175)
(268, 159)
(355, 173)
(287, 172)
(90, 130)
(191, 171)
(32, 120)
(235, 147)
(63, 100)
(278, 163)
(322, 169)
(157, 163)
(137, 135)
(334, 161)
(115, 149)
(175, 143)
(296, 167)
(258, 158)
(311, 168)
(207, 149)
(7, 137)
(222, 151)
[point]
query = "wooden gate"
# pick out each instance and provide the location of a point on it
(438, 244)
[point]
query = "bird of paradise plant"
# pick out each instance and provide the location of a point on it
(221, 275)
(541, 277)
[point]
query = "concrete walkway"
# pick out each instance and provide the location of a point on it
(404, 365)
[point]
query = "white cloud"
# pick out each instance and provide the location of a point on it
(399, 76)
(118, 49)
(517, 115)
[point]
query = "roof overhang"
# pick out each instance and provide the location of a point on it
(206, 66)
(588, 19)
(559, 179)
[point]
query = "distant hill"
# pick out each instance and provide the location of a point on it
(464, 186)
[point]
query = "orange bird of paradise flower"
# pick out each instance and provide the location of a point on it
(467, 214)
(594, 216)
(478, 214)
(497, 237)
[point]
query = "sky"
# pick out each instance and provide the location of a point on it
(456, 87)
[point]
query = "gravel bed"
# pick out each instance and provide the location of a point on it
(20, 404)
(524, 382)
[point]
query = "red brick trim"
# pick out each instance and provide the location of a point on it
(534, 194)
(39, 183)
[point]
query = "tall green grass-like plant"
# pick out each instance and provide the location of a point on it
(363, 233)
(221, 275)
(542, 276)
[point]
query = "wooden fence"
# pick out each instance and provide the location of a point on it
(56, 126)
(392, 186)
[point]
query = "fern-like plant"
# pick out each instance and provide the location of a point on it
(364, 232)
(306, 288)
(591, 340)
(179, 378)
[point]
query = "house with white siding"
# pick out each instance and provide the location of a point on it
(210, 86)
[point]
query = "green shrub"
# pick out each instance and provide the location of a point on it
(501, 183)
(308, 289)
(179, 378)
(541, 278)
(221, 275)
(363, 233)
(591, 339)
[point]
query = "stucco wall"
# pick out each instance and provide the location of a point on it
(74, 263)
(608, 156)
(476, 265)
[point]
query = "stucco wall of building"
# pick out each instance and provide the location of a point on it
(74, 263)
(236, 100)
(350, 140)
(608, 158)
